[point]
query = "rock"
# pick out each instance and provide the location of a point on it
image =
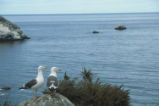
(48, 100)
(6, 88)
(10, 31)
(95, 32)
(120, 27)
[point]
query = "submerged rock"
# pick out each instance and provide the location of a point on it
(10, 31)
(48, 100)
(120, 27)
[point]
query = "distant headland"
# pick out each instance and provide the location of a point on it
(10, 31)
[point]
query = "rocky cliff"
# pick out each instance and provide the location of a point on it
(10, 31)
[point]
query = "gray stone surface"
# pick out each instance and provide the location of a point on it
(10, 31)
(48, 100)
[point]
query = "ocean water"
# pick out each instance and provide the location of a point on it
(129, 58)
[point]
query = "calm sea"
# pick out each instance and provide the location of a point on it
(129, 58)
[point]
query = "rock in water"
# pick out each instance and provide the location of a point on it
(48, 100)
(120, 27)
(10, 31)
(95, 32)
(5, 88)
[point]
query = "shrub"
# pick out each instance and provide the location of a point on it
(89, 92)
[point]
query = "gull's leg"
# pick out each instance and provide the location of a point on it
(32, 93)
(36, 92)
(36, 97)
(53, 93)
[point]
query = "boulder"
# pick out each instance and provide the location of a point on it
(10, 31)
(120, 27)
(48, 100)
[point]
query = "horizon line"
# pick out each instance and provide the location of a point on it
(79, 13)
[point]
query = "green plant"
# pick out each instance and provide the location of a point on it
(87, 75)
(66, 77)
(89, 92)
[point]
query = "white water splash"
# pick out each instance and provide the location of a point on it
(2, 94)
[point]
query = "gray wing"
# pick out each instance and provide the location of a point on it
(52, 83)
(30, 84)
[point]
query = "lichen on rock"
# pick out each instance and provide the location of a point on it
(10, 31)
(48, 100)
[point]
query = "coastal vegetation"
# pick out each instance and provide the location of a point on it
(91, 92)
(88, 91)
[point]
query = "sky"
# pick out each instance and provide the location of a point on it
(77, 6)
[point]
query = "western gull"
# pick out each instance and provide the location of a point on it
(36, 83)
(52, 82)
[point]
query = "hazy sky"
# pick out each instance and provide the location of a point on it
(77, 6)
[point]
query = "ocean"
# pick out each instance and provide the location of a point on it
(129, 57)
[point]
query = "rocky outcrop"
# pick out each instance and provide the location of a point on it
(48, 100)
(120, 27)
(95, 32)
(5, 88)
(10, 31)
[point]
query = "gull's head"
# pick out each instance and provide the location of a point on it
(55, 69)
(42, 67)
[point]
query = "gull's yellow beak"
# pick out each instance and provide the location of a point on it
(45, 67)
(59, 69)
